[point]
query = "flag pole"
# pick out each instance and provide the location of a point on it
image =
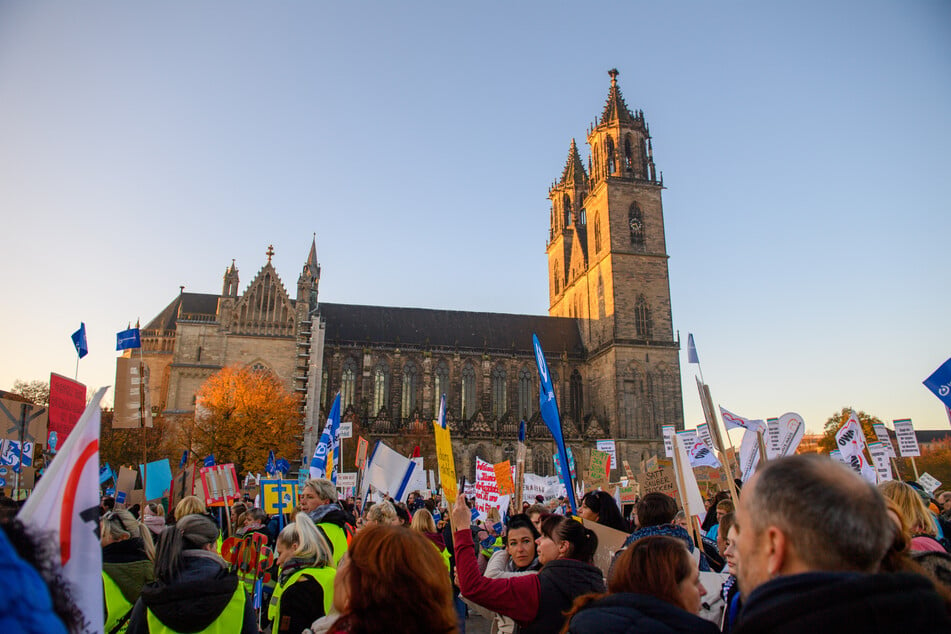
(76, 377)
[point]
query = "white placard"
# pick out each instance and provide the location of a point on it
(928, 482)
(907, 440)
(346, 480)
(882, 434)
(346, 430)
(880, 459)
(608, 447)
(703, 433)
(668, 442)
(773, 437)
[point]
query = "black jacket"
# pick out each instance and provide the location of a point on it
(839, 602)
(637, 614)
(561, 582)
(193, 601)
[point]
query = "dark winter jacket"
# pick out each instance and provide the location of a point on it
(127, 564)
(193, 601)
(843, 603)
(637, 614)
(667, 530)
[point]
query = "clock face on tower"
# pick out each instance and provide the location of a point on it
(635, 225)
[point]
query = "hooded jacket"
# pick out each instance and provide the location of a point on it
(194, 600)
(127, 564)
(637, 614)
(844, 602)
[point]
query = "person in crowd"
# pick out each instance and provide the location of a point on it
(936, 565)
(655, 516)
(423, 523)
(600, 507)
(519, 557)
(711, 517)
(127, 554)
(536, 512)
(319, 501)
(915, 515)
(811, 535)
(193, 591)
(654, 589)
(944, 503)
(154, 517)
(190, 505)
(536, 602)
(392, 580)
(402, 514)
(730, 590)
(106, 504)
(723, 507)
(381, 513)
(305, 583)
(680, 519)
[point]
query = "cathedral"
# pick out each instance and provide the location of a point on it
(608, 336)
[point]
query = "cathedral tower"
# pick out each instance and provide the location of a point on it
(607, 259)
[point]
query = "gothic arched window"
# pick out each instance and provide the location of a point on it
(597, 233)
(636, 222)
(582, 217)
(409, 390)
(600, 296)
(609, 150)
(440, 383)
(642, 318)
(381, 379)
(498, 391)
(526, 394)
(347, 382)
(566, 207)
(468, 391)
(555, 277)
(577, 396)
(628, 160)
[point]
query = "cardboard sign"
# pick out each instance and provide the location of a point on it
(628, 494)
(650, 465)
(132, 393)
(661, 481)
(278, 496)
(600, 468)
(67, 402)
(125, 483)
(12, 414)
(928, 482)
(609, 542)
(711, 481)
(346, 480)
(446, 463)
(503, 477)
(628, 470)
(362, 445)
(220, 483)
(907, 440)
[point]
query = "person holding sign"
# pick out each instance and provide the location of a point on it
(305, 583)
(600, 507)
(536, 602)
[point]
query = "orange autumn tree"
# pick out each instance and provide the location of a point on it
(241, 414)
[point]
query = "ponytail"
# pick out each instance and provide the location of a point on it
(122, 524)
(583, 541)
(191, 532)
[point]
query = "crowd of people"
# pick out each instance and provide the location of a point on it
(809, 545)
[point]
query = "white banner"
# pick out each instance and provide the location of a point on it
(773, 438)
(882, 434)
(703, 433)
(487, 490)
(546, 486)
(791, 428)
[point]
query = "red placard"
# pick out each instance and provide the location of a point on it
(67, 402)
(220, 483)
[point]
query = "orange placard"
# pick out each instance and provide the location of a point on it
(503, 478)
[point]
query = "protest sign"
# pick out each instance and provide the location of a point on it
(546, 486)
(773, 437)
(668, 431)
(67, 402)
(486, 487)
(609, 542)
(126, 480)
(627, 469)
(503, 477)
(907, 440)
(278, 496)
(880, 460)
(346, 480)
(15, 412)
(609, 447)
(650, 465)
(361, 458)
(600, 468)
(928, 482)
(133, 406)
(157, 477)
(220, 483)
(662, 481)
(628, 493)
(882, 434)
(703, 432)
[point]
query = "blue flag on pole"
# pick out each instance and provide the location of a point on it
(940, 383)
(549, 411)
(181, 464)
(692, 350)
(79, 340)
(105, 473)
(210, 460)
(270, 467)
(329, 445)
(283, 466)
(128, 339)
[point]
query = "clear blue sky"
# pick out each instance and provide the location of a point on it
(805, 149)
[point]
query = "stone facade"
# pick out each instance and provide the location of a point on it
(608, 337)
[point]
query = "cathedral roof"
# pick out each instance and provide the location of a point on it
(615, 109)
(189, 303)
(424, 327)
(574, 171)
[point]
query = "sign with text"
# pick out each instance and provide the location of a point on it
(220, 483)
(882, 434)
(67, 402)
(879, 453)
(446, 463)
(487, 489)
(661, 481)
(503, 477)
(362, 444)
(627, 469)
(599, 469)
(703, 433)
(346, 480)
(928, 482)
(609, 447)
(346, 430)
(907, 440)
(278, 496)
(668, 431)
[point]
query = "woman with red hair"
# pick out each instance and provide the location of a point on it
(392, 580)
(655, 588)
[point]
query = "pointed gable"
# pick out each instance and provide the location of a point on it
(574, 172)
(265, 308)
(615, 110)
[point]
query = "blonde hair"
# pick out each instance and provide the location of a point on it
(912, 509)
(382, 513)
(307, 540)
(122, 525)
(190, 505)
(423, 522)
(155, 509)
(493, 516)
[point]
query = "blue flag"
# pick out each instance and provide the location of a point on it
(210, 460)
(329, 445)
(521, 431)
(181, 464)
(128, 339)
(79, 340)
(270, 467)
(549, 411)
(940, 383)
(105, 473)
(442, 411)
(692, 350)
(283, 466)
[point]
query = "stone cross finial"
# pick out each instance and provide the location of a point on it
(270, 252)
(613, 73)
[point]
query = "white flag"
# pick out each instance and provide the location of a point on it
(700, 455)
(66, 502)
(389, 472)
(690, 496)
(733, 421)
(849, 438)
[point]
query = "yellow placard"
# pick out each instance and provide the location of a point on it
(447, 465)
(278, 496)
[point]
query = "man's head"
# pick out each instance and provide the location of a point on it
(944, 501)
(808, 513)
(655, 509)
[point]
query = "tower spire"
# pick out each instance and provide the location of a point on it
(574, 171)
(615, 110)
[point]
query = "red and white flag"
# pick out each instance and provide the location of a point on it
(65, 502)
(733, 421)
(849, 438)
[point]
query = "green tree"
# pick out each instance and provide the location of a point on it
(241, 414)
(36, 391)
(827, 442)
